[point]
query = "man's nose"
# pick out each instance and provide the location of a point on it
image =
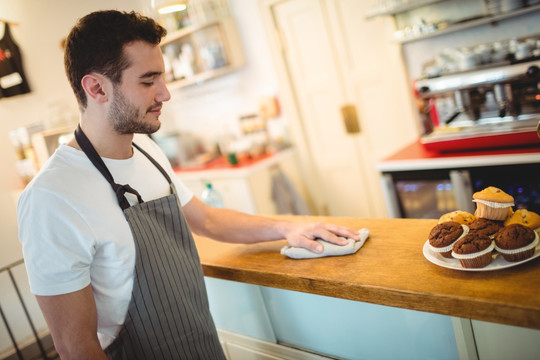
(163, 94)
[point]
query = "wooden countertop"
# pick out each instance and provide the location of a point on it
(389, 269)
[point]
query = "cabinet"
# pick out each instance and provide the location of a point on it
(421, 19)
(248, 189)
(202, 51)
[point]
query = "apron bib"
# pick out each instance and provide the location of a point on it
(168, 316)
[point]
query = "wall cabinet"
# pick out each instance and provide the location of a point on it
(200, 52)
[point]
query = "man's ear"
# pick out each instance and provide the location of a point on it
(95, 87)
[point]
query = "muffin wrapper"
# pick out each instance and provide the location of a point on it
(492, 210)
(447, 250)
(521, 253)
(476, 260)
(494, 204)
(476, 263)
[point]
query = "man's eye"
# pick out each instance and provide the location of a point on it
(148, 83)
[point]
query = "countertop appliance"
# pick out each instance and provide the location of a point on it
(490, 106)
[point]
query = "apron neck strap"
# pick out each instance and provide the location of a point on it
(153, 161)
(91, 153)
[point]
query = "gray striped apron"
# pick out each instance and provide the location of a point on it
(168, 316)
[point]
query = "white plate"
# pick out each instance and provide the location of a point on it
(497, 263)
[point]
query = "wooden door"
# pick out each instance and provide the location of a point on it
(329, 56)
(376, 82)
(308, 54)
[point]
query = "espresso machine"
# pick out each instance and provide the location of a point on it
(490, 105)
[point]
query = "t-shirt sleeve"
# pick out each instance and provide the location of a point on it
(57, 244)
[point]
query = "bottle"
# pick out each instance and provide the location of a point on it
(212, 197)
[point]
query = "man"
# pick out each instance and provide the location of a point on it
(106, 226)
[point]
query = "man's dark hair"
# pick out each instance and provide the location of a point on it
(96, 44)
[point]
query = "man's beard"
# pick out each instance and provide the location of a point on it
(127, 119)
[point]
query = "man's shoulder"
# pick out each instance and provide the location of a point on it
(66, 173)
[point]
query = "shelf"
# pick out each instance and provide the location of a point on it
(393, 10)
(201, 77)
(470, 24)
(186, 31)
(200, 52)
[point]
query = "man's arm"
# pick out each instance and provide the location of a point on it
(232, 226)
(72, 320)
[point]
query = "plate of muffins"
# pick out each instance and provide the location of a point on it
(495, 237)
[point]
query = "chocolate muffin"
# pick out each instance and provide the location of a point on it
(516, 242)
(474, 250)
(443, 236)
(485, 227)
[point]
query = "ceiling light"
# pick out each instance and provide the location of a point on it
(169, 6)
(172, 8)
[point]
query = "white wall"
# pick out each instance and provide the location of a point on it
(213, 108)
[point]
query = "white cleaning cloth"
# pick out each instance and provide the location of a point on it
(329, 248)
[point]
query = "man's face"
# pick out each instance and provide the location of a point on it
(137, 100)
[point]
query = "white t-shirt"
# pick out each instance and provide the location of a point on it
(74, 232)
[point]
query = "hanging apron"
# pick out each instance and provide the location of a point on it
(12, 79)
(168, 316)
